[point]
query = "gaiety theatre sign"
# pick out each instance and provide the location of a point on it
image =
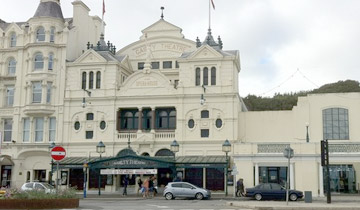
(164, 46)
(133, 163)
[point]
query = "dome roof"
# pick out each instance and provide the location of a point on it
(49, 9)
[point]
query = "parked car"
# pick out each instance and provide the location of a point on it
(272, 191)
(38, 186)
(185, 190)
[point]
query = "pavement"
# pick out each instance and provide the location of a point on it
(341, 202)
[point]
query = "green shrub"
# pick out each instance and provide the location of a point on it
(38, 194)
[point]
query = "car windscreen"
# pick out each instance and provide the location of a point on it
(48, 186)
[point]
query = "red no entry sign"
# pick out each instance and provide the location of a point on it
(58, 153)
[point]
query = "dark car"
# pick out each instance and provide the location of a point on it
(272, 191)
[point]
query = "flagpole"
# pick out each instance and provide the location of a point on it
(102, 18)
(209, 14)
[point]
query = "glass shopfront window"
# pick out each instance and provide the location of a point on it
(342, 179)
(273, 175)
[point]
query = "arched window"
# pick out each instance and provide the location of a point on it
(98, 79)
(90, 116)
(83, 81)
(91, 80)
(204, 114)
(336, 124)
(164, 152)
(52, 34)
(40, 34)
(205, 76)
(129, 119)
(11, 67)
(146, 120)
(51, 61)
(13, 39)
(166, 118)
(39, 62)
(197, 76)
(125, 152)
(213, 76)
(163, 119)
(145, 154)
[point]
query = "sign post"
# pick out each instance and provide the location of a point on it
(57, 153)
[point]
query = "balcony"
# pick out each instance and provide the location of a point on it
(147, 137)
(39, 109)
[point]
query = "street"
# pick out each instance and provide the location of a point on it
(154, 204)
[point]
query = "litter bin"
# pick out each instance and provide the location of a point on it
(308, 197)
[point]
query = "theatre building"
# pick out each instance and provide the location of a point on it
(162, 106)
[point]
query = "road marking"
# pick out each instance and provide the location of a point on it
(160, 207)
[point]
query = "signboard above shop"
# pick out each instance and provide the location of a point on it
(128, 171)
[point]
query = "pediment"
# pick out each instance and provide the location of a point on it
(13, 27)
(205, 52)
(90, 56)
(144, 83)
(161, 28)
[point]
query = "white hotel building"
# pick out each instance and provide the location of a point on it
(61, 82)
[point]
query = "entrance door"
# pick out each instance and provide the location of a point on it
(273, 175)
(76, 178)
(215, 179)
(6, 176)
(194, 176)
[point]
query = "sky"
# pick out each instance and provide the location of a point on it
(285, 45)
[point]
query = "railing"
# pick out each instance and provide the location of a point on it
(159, 135)
(271, 148)
(127, 135)
(344, 148)
(164, 135)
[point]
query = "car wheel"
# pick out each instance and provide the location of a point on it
(169, 196)
(199, 196)
(293, 197)
(258, 197)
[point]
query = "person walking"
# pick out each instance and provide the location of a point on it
(155, 185)
(151, 186)
(139, 183)
(240, 192)
(125, 182)
(146, 188)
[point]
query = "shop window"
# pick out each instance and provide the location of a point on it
(167, 65)
(40, 175)
(141, 65)
(204, 114)
(191, 123)
(336, 124)
(204, 133)
(89, 134)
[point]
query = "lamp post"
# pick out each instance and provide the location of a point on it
(288, 153)
(85, 166)
(174, 147)
(307, 132)
(52, 145)
(100, 148)
(226, 147)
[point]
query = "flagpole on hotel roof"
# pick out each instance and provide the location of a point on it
(102, 19)
(209, 14)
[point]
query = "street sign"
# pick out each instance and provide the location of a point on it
(58, 153)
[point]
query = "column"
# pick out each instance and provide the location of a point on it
(204, 178)
(28, 91)
(256, 174)
(321, 181)
(140, 120)
(43, 92)
(292, 177)
(152, 119)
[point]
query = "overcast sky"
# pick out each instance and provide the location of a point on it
(321, 38)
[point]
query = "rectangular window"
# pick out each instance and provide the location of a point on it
(52, 129)
(7, 130)
(36, 92)
(141, 65)
(204, 133)
(197, 77)
(89, 134)
(176, 64)
(48, 92)
(205, 76)
(89, 116)
(39, 129)
(10, 90)
(213, 76)
(167, 65)
(155, 65)
(205, 114)
(26, 130)
(335, 124)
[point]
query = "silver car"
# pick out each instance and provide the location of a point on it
(38, 186)
(185, 190)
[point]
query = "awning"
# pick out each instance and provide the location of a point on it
(200, 162)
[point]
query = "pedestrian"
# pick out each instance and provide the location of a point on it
(125, 182)
(151, 186)
(139, 183)
(146, 187)
(155, 185)
(240, 192)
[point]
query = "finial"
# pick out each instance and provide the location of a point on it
(220, 43)
(98, 45)
(91, 46)
(162, 12)
(198, 43)
(88, 45)
(114, 49)
(108, 44)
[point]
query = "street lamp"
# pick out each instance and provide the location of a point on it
(100, 148)
(307, 132)
(288, 153)
(85, 166)
(226, 147)
(174, 147)
(52, 145)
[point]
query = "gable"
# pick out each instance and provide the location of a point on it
(13, 27)
(205, 52)
(90, 56)
(162, 28)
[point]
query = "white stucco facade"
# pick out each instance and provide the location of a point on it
(85, 91)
